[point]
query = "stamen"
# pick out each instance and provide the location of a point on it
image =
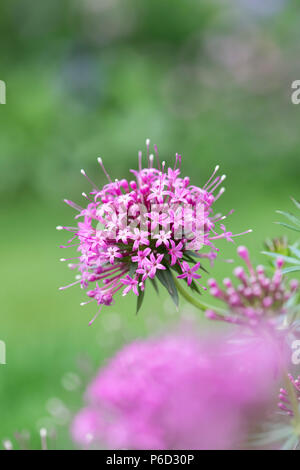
(222, 191)
(73, 205)
(70, 285)
(86, 197)
(213, 174)
(148, 147)
(212, 183)
(220, 180)
(151, 158)
(70, 229)
(89, 180)
(242, 233)
(68, 246)
(104, 170)
(96, 316)
(179, 162)
(140, 160)
(82, 304)
(176, 160)
(157, 156)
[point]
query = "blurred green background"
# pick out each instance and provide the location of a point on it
(210, 79)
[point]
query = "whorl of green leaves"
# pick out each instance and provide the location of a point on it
(289, 253)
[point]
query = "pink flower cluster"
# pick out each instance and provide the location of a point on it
(257, 299)
(142, 229)
(177, 393)
(285, 404)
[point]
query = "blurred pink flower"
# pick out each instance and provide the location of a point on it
(178, 393)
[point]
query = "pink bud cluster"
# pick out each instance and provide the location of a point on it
(284, 403)
(133, 230)
(256, 299)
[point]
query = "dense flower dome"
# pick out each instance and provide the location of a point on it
(148, 229)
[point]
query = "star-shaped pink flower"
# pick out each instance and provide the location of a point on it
(140, 237)
(189, 273)
(131, 284)
(163, 238)
(175, 252)
(153, 264)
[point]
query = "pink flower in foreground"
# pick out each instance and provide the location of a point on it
(177, 393)
(257, 299)
(116, 230)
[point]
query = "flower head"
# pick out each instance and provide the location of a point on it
(143, 227)
(257, 299)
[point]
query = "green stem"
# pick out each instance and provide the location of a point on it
(199, 305)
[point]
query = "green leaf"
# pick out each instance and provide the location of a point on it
(132, 269)
(166, 278)
(154, 283)
(297, 203)
(176, 268)
(287, 259)
(292, 218)
(140, 300)
(189, 258)
(189, 255)
(193, 254)
(194, 287)
(294, 250)
(288, 226)
(293, 269)
(290, 443)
